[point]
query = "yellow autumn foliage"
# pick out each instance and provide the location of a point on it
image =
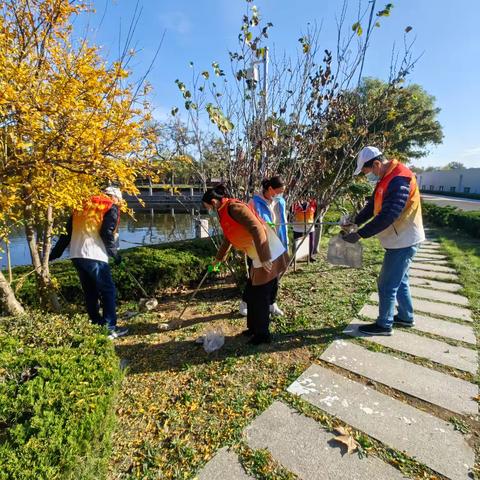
(69, 122)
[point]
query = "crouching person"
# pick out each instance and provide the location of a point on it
(243, 229)
(92, 237)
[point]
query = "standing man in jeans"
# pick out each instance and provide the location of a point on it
(92, 236)
(395, 216)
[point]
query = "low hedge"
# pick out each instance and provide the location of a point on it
(58, 382)
(156, 267)
(468, 222)
(474, 196)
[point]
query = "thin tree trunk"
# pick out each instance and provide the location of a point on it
(8, 299)
(44, 282)
(9, 262)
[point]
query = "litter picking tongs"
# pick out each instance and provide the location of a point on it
(133, 278)
(211, 268)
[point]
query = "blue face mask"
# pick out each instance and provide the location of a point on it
(278, 196)
(212, 213)
(371, 177)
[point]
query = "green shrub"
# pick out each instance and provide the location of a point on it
(468, 222)
(156, 268)
(452, 194)
(58, 381)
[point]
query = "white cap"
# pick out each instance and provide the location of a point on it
(114, 192)
(366, 154)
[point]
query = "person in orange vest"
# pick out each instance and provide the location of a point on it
(395, 215)
(303, 217)
(92, 238)
(244, 230)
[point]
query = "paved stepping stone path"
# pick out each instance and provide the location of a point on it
(346, 383)
(429, 283)
(436, 308)
(438, 296)
(403, 427)
(435, 387)
(423, 323)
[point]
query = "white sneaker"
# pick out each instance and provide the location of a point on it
(117, 332)
(275, 310)
(243, 308)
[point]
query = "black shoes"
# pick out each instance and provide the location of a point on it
(374, 329)
(247, 333)
(259, 339)
(398, 322)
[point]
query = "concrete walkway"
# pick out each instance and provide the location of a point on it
(408, 413)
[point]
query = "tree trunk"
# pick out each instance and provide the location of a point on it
(7, 298)
(48, 297)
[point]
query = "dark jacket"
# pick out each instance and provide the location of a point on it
(394, 202)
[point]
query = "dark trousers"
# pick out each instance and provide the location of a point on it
(98, 287)
(258, 300)
(311, 240)
(273, 298)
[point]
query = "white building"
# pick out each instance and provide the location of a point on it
(464, 180)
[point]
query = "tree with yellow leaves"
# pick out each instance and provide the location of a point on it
(70, 124)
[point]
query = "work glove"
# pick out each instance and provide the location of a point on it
(214, 266)
(352, 237)
(118, 260)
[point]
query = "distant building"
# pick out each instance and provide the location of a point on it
(464, 180)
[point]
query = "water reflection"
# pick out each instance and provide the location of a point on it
(148, 228)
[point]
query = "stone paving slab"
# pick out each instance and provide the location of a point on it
(436, 308)
(433, 275)
(434, 387)
(223, 466)
(431, 258)
(455, 331)
(428, 439)
(434, 255)
(433, 267)
(460, 358)
(430, 250)
(430, 261)
(446, 297)
(302, 446)
(428, 283)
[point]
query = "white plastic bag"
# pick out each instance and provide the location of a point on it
(341, 252)
(213, 340)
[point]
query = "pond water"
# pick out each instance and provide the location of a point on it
(148, 228)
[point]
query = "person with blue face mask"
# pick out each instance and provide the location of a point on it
(270, 206)
(394, 215)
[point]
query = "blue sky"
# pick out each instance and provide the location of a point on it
(447, 34)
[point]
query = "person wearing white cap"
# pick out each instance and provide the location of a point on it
(394, 215)
(92, 237)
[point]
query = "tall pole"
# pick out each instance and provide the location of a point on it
(264, 112)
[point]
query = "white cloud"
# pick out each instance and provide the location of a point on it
(176, 21)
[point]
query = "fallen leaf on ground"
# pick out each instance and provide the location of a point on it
(346, 438)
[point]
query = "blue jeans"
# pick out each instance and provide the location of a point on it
(97, 285)
(393, 286)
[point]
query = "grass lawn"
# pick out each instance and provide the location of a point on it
(178, 405)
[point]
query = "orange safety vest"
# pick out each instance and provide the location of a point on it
(235, 233)
(398, 169)
(307, 215)
(91, 216)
